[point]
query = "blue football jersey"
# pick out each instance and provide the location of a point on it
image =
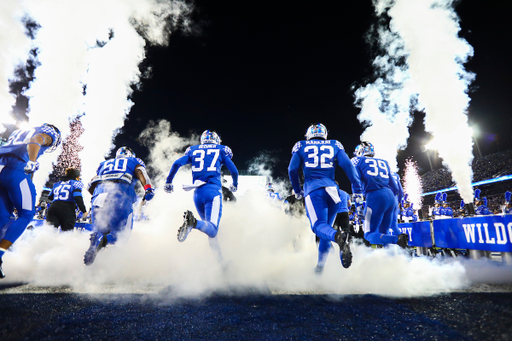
(318, 159)
(119, 169)
(63, 190)
(206, 161)
(14, 154)
(374, 174)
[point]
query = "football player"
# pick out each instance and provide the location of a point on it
(113, 196)
(380, 190)
(18, 162)
(206, 160)
(65, 196)
(317, 157)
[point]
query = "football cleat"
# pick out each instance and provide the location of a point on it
(343, 241)
(2, 275)
(189, 222)
(319, 270)
(98, 241)
(403, 240)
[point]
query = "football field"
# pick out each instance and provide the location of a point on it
(481, 312)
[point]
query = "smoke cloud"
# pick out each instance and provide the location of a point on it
(88, 57)
(422, 69)
(263, 250)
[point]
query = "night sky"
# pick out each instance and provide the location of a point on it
(259, 73)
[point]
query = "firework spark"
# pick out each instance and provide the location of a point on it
(412, 183)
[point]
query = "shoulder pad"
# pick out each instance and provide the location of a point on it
(339, 145)
(187, 151)
(296, 147)
(78, 184)
(140, 162)
(228, 152)
(355, 160)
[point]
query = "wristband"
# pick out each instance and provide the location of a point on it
(35, 143)
(148, 186)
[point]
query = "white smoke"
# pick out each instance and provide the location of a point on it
(424, 33)
(14, 48)
(88, 57)
(263, 249)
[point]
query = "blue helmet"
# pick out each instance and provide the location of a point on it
(54, 132)
(365, 149)
(316, 130)
(210, 137)
(124, 152)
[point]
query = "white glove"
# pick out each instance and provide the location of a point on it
(31, 167)
(168, 188)
(358, 198)
(233, 188)
(300, 195)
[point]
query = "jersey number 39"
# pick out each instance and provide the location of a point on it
(377, 168)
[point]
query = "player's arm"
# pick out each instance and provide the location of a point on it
(233, 170)
(392, 182)
(352, 174)
(142, 175)
(293, 172)
(35, 144)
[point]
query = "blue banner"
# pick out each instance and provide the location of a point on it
(419, 233)
(487, 233)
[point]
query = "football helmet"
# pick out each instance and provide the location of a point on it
(316, 130)
(124, 152)
(210, 137)
(54, 132)
(365, 149)
(269, 187)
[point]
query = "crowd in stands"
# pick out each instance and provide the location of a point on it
(486, 167)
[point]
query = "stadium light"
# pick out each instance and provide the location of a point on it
(426, 148)
(475, 133)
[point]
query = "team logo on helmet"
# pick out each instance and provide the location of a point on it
(316, 130)
(124, 152)
(210, 137)
(365, 149)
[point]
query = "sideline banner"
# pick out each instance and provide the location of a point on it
(419, 233)
(486, 233)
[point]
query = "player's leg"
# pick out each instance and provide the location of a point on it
(394, 220)
(121, 221)
(318, 214)
(22, 194)
(6, 211)
(52, 217)
(209, 206)
(379, 205)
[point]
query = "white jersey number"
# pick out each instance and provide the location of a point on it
(325, 159)
(118, 165)
(378, 168)
(199, 158)
(20, 137)
(61, 192)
